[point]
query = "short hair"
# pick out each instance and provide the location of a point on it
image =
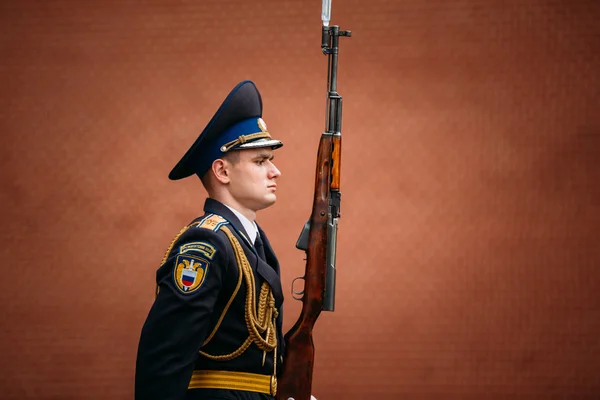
(233, 157)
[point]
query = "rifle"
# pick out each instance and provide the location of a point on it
(318, 237)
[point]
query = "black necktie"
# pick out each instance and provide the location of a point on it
(260, 248)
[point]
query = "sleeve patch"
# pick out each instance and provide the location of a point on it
(190, 273)
(206, 249)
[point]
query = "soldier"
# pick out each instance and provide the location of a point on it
(215, 328)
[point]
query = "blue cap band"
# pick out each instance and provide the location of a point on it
(212, 150)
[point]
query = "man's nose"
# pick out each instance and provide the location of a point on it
(275, 173)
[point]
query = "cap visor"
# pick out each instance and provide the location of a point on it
(257, 144)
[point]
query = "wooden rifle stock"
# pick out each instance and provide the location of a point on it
(295, 378)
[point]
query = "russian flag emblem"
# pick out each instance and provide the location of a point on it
(188, 277)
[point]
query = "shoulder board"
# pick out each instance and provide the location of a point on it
(213, 222)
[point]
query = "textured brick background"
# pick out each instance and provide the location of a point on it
(468, 266)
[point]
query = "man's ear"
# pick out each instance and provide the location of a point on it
(220, 169)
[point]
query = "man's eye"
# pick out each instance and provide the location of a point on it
(260, 162)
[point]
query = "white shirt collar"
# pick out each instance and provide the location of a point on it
(249, 226)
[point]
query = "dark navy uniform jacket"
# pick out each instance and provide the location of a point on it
(183, 316)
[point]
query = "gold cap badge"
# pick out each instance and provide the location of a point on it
(262, 125)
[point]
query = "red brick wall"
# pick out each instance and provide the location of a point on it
(468, 266)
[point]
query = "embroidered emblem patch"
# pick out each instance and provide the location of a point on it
(190, 273)
(204, 248)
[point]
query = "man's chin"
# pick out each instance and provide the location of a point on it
(268, 201)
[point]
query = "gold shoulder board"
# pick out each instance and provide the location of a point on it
(213, 222)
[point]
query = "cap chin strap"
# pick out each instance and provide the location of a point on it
(243, 139)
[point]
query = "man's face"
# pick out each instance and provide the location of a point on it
(252, 179)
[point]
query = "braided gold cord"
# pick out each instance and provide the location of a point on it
(235, 292)
(256, 324)
(181, 232)
(243, 139)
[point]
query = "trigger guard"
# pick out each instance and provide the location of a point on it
(297, 295)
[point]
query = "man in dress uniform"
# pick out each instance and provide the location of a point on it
(215, 328)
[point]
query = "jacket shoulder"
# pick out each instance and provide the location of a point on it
(201, 236)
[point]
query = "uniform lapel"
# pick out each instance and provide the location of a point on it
(271, 259)
(270, 271)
